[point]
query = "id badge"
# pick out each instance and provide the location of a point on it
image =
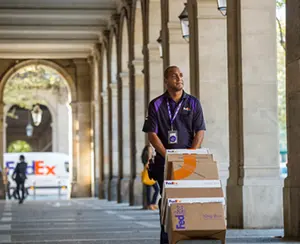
(172, 137)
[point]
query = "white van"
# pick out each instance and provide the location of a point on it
(47, 173)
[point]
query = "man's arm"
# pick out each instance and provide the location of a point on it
(198, 126)
(198, 139)
(156, 143)
(15, 171)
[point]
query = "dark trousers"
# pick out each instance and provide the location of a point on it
(157, 173)
(163, 235)
(20, 185)
(155, 194)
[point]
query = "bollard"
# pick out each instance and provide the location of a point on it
(34, 191)
(59, 189)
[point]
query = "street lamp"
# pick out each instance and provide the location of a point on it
(37, 113)
(222, 7)
(29, 130)
(159, 40)
(184, 20)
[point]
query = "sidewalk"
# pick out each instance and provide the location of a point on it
(95, 221)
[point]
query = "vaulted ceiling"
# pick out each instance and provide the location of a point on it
(52, 28)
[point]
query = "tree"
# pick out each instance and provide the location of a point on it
(18, 147)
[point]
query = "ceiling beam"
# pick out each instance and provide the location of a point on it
(100, 14)
(44, 55)
(12, 29)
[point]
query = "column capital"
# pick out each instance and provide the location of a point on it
(90, 60)
(125, 79)
(114, 89)
(154, 53)
(104, 97)
(97, 52)
(138, 66)
(175, 33)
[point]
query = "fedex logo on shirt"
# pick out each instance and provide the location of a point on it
(36, 167)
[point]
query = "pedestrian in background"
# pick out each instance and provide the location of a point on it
(147, 159)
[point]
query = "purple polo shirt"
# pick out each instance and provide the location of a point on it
(188, 121)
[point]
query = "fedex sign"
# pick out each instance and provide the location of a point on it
(36, 167)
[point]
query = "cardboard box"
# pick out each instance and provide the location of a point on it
(189, 189)
(196, 221)
(190, 167)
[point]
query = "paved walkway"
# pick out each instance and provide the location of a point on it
(94, 221)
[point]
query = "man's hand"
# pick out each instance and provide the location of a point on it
(156, 143)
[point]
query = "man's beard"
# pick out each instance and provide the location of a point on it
(176, 88)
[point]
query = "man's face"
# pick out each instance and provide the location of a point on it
(174, 79)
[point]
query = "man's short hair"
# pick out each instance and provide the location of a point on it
(22, 157)
(166, 72)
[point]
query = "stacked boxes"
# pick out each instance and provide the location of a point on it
(192, 205)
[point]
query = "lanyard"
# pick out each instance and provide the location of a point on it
(175, 114)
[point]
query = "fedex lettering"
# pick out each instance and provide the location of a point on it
(36, 167)
(179, 214)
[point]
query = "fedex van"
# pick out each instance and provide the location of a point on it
(47, 173)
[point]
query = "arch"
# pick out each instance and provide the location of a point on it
(104, 71)
(71, 85)
(138, 31)
(114, 64)
(154, 23)
(124, 41)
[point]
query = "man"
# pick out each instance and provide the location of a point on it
(19, 176)
(175, 121)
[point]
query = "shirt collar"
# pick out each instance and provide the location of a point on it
(167, 95)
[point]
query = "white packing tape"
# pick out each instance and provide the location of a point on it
(197, 200)
(192, 183)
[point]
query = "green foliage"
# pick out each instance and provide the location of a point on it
(18, 147)
(23, 87)
(280, 3)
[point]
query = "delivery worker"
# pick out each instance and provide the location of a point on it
(147, 157)
(19, 176)
(175, 121)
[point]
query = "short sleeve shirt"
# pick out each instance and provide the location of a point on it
(188, 121)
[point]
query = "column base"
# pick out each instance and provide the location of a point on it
(112, 189)
(291, 196)
(106, 191)
(138, 191)
(101, 189)
(234, 206)
(80, 191)
(123, 190)
(256, 204)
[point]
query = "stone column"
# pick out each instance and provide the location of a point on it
(212, 44)
(139, 121)
(156, 81)
(96, 127)
(125, 171)
(292, 182)
(83, 128)
(254, 190)
(75, 151)
(114, 171)
(105, 141)
(2, 150)
(178, 48)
